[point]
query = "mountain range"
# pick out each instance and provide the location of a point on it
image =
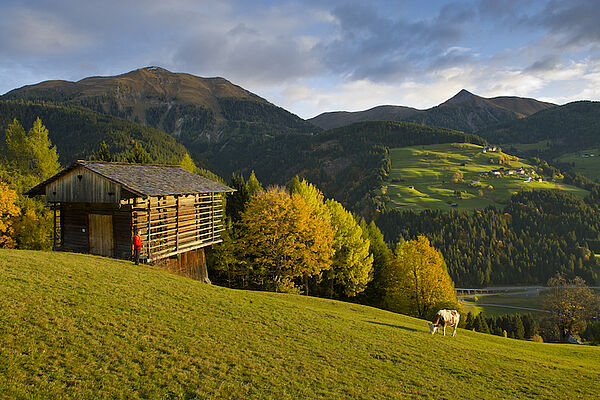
(195, 110)
(465, 112)
(229, 129)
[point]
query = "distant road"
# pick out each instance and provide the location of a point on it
(525, 291)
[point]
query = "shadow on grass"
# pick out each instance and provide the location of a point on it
(392, 326)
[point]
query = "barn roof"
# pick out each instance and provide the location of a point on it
(143, 179)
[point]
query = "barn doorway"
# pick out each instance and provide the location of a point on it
(101, 234)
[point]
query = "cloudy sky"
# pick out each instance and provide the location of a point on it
(315, 56)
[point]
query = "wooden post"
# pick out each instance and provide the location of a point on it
(212, 216)
(148, 227)
(177, 223)
(54, 229)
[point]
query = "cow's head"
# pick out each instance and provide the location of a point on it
(432, 328)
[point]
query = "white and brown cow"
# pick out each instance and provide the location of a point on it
(443, 318)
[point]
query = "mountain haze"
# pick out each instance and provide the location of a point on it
(465, 111)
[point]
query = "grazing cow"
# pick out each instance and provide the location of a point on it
(443, 318)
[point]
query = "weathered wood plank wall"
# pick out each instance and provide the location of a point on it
(177, 224)
(75, 227)
(83, 186)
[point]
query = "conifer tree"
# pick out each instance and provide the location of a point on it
(103, 153)
(375, 291)
(187, 163)
(253, 186)
(138, 155)
(43, 154)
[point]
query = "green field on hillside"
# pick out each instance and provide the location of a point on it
(458, 176)
(504, 303)
(77, 326)
(586, 162)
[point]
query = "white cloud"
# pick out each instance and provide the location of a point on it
(27, 31)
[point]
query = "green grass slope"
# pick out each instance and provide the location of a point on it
(76, 326)
(422, 177)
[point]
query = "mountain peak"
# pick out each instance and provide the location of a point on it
(154, 68)
(461, 97)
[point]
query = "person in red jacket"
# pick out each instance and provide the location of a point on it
(137, 246)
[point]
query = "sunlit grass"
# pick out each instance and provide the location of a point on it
(77, 327)
(423, 177)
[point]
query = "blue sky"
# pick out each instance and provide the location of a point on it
(314, 56)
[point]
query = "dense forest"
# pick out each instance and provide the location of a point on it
(538, 234)
(568, 128)
(78, 132)
(348, 163)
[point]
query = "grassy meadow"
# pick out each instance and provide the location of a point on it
(78, 326)
(438, 176)
(587, 162)
(505, 303)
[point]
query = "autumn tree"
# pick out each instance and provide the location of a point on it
(417, 280)
(187, 163)
(569, 303)
(28, 159)
(8, 212)
(352, 265)
(281, 238)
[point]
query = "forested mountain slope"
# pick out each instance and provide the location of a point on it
(348, 163)
(537, 234)
(77, 132)
(571, 127)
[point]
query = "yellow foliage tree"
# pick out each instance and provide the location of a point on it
(281, 238)
(417, 281)
(8, 212)
(352, 262)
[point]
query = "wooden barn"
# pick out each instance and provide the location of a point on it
(99, 205)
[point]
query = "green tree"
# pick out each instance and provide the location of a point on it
(417, 282)
(480, 324)
(138, 155)
(29, 158)
(15, 149)
(253, 186)
(375, 291)
(352, 265)
(43, 155)
(236, 201)
(103, 153)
